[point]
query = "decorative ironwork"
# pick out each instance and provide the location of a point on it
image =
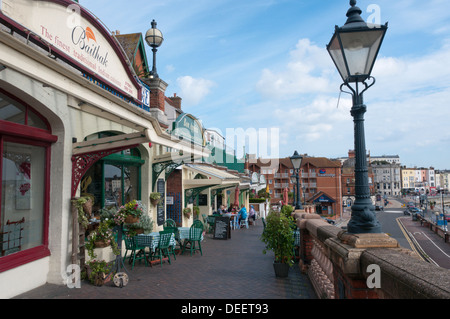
(82, 162)
(168, 166)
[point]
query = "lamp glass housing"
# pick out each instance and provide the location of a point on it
(296, 160)
(154, 37)
(354, 50)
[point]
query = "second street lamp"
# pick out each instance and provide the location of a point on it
(354, 48)
(296, 161)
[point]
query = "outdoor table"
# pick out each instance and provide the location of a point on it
(183, 233)
(151, 241)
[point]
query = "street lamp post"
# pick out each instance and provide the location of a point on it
(296, 161)
(353, 49)
(293, 180)
(154, 39)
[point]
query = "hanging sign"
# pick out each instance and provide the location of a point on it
(77, 36)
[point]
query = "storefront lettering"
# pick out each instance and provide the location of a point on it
(81, 36)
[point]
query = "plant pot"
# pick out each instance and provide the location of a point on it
(281, 269)
(154, 201)
(131, 219)
(139, 230)
(99, 279)
(100, 244)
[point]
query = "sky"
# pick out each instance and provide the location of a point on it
(260, 68)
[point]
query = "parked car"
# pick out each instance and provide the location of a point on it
(412, 210)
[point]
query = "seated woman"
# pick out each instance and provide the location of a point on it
(242, 213)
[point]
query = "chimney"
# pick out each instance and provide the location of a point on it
(157, 92)
(351, 154)
(176, 101)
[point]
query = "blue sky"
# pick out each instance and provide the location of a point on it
(262, 65)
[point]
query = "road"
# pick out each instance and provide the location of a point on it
(412, 235)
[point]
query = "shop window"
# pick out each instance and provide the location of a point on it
(16, 112)
(22, 210)
(25, 141)
(115, 179)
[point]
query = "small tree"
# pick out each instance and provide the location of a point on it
(279, 237)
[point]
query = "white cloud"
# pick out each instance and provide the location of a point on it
(193, 90)
(308, 71)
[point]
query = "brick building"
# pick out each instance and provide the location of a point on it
(320, 181)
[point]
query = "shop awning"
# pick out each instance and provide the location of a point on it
(214, 177)
(112, 142)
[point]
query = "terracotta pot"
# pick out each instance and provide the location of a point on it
(131, 219)
(139, 230)
(154, 201)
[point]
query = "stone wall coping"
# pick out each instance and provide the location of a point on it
(405, 276)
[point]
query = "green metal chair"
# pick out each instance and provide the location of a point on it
(137, 251)
(169, 223)
(164, 248)
(195, 237)
(171, 226)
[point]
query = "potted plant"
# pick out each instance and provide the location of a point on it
(130, 212)
(196, 211)
(154, 198)
(102, 237)
(98, 272)
(144, 226)
(278, 236)
(187, 212)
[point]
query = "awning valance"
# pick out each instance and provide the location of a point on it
(214, 177)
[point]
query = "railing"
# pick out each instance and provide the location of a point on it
(370, 266)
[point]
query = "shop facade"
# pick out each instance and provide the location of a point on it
(74, 119)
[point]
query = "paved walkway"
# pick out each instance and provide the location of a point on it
(229, 269)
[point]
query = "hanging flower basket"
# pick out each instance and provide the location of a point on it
(130, 219)
(155, 198)
(187, 212)
(101, 244)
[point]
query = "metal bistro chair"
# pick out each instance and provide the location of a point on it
(195, 236)
(137, 249)
(244, 222)
(164, 248)
(171, 226)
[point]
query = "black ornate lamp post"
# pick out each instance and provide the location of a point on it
(293, 180)
(154, 39)
(296, 161)
(354, 48)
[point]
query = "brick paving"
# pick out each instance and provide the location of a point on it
(229, 269)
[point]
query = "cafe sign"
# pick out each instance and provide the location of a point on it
(67, 28)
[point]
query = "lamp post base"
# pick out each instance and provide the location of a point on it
(363, 220)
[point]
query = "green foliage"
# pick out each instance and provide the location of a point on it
(287, 210)
(145, 222)
(155, 196)
(257, 200)
(99, 268)
(278, 236)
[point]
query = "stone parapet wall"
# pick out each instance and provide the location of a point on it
(364, 266)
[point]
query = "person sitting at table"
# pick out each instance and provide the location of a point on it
(242, 214)
(252, 213)
(221, 210)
